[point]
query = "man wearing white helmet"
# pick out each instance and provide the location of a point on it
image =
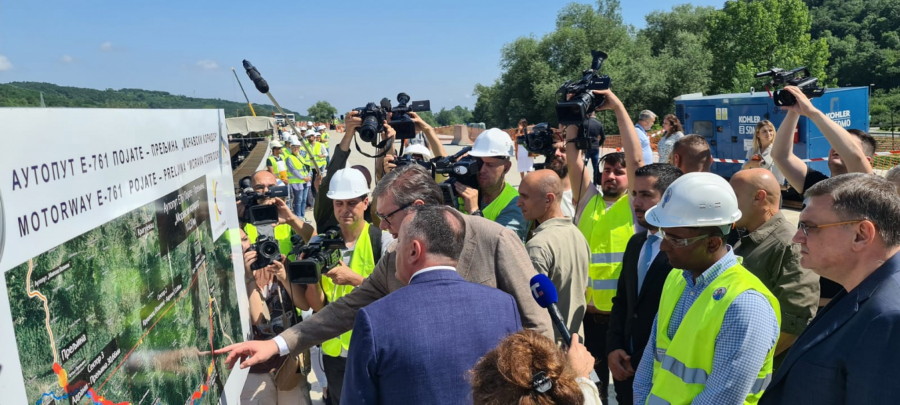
(349, 194)
(495, 199)
(321, 130)
(275, 164)
(714, 336)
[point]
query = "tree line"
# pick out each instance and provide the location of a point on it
(695, 49)
(27, 94)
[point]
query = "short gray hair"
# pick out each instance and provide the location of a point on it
(646, 115)
(441, 228)
(409, 183)
(893, 175)
(858, 195)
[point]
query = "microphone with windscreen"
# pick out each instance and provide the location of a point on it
(544, 292)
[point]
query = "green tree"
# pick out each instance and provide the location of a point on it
(756, 35)
(322, 111)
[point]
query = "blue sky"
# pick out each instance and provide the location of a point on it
(307, 50)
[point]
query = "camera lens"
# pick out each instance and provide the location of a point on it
(369, 129)
(785, 98)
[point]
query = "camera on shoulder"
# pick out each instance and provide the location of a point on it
(321, 254)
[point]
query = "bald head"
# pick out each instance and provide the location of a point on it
(544, 182)
(758, 194)
(263, 177)
(540, 195)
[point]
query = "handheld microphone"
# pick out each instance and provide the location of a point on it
(544, 292)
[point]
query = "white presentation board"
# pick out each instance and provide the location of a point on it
(116, 254)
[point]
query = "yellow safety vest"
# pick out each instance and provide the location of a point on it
(283, 234)
(325, 139)
(362, 262)
(607, 232)
(300, 168)
(319, 153)
(682, 365)
(280, 167)
(492, 211)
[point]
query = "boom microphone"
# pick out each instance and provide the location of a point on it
(256, 78)
(544, 292)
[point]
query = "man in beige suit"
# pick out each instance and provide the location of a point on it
(493, 256)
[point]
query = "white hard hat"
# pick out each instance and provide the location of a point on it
(695, 200)
(310, 133)
(316, 133)
(320, 127)
(417, 149)
(309, 123)
(303, 128)
(276, 144)
(296, 142)
(493, 142)
(347, 184)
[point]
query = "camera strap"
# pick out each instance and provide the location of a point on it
(382, 145)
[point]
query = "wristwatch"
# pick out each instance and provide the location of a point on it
(478, 213)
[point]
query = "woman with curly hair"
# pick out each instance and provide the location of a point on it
(527, 368)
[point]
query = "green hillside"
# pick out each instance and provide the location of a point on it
(27, 94)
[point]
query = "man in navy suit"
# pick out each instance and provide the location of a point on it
(849, 232)
(416, 345)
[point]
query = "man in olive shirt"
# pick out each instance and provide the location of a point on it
(769, 254)
(557, 248)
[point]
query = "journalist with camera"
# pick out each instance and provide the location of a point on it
(265, 214)
(550, 143)
(494, 198)
(345, 256)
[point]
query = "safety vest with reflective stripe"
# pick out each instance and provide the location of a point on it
(282, 235)
(362, 262)
(683, 364)
(300, 168)
(279, 166)
(319, 152)
(607, 232)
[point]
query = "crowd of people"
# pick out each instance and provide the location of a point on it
(683, 286)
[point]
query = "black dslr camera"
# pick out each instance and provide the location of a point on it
(322, 253)
(400, 120)
(255, 213)
(373, 118)
(575, 110)
(267, 250)
(798, 77)
(540, 140)
(460, 169)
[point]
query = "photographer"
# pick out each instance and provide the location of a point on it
(606, 219)
(385, 164)
(261, 182)
(495, 199)
(278, 381)
(323, 212)
(365, 245)
(851, 152)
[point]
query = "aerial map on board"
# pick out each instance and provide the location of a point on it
(129, 311)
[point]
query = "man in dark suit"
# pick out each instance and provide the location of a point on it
(415, 345)
(644, 272)
(849, 233)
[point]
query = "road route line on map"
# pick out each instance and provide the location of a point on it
(40, 296)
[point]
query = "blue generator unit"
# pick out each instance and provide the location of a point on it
(728, 121)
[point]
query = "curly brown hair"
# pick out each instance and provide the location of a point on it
(504, 375)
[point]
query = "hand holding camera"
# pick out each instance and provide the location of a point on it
(343, 275)
(421, 125)
(802, 105)
(469, 196)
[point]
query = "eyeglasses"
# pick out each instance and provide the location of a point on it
(679, 242)
(386, 216)
(805, 228)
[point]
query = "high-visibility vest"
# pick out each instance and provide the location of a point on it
(282, 235)
(493, 210)
(325, 139)
(362, 262)
(607, 232)
(682, 365)
(319, 152)
(300, 168)
(279, 166)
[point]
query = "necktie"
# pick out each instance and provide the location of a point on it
(645, 260)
